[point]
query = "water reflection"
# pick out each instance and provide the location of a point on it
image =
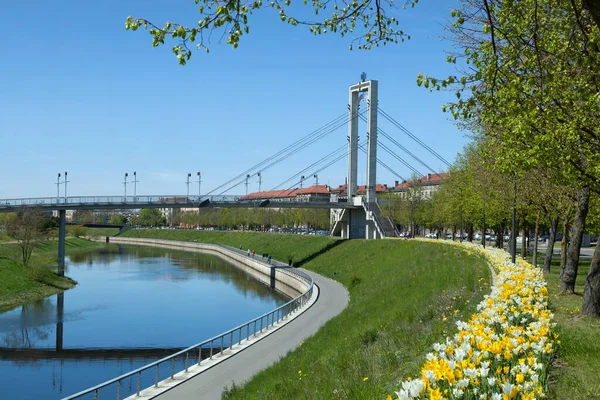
(133, 305)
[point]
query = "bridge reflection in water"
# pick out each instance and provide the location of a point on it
(62, 344)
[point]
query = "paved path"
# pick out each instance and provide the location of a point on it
(333, 298)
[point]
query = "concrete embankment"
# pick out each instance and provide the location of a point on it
(270, 274)
(267, 349)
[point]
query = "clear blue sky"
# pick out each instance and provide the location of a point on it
(79, 93)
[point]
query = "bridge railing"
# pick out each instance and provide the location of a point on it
(132, 383)
(129, 201)
(146, 199)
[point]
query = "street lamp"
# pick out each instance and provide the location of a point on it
(65, 182)
(125, 185)
(259, 181)
(58, 187)
(199, 184)
(187, 183)
(301, 181)
(135, 181)
(316, 183)
(247, 177)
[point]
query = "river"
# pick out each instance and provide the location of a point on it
(132, 305)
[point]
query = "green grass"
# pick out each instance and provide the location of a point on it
(281, 246)
(3, 235)
(101, 231)
(21, 284)
(404, 296)
(575, 371)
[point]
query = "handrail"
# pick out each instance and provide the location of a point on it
(74, 202)
(280, 313)
(389, 218)
(374, 214)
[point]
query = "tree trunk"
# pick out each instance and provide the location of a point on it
(591, 292)
(511, 241)
(524, 237)
(550, 246)
(563, 249)
(499, 234)
(535, 238)
(569, 275)
(593, 6)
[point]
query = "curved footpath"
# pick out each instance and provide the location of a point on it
(333, 299)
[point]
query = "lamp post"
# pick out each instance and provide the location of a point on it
(301, 181)
(125, 185)
(65, 182)
(58, 187)
(135, 181)
(247, 177)
(316, 183)
(259, 181)
(187, 183)
(199, 184)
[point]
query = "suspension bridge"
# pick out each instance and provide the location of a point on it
(354, 215)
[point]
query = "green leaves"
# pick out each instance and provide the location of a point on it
(371, 22)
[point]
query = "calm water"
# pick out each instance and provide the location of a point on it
(133, 305)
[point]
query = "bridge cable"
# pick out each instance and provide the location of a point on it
(414, 137)
(344, 147)
(331, 128)
(413, 169)
(391, 139)
(284, 150)
(384, 165)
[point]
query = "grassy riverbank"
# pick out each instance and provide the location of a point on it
(101, 231)
(575, 371)
(21, 284)
(404, 295)
(281, 246)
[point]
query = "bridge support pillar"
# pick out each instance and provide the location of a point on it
(62, 217)
(372, 143)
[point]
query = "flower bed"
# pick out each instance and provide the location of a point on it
(504, 351)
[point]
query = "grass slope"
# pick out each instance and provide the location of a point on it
(281, 246)
(101, 231)
(21, 285)
(404, 295)
(576, 369)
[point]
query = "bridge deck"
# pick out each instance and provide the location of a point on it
(164, 201)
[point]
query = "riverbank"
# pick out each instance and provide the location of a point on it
(403, 298)
(21, 284)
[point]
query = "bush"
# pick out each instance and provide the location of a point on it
(37, 273)
(77, 230)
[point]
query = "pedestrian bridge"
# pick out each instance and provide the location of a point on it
(156, 201)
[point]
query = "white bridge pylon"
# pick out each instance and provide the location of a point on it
(372, 101)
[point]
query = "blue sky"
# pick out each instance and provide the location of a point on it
(79, 93)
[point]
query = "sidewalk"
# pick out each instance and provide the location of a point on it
(333, 298)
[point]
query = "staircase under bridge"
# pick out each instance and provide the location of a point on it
(366, 221)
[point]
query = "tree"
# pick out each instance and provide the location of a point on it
(532, 88)
(591, 291)
(151, 217)
(77, 230)
(84, 217)
(118, 220)
(371, 21)
(29, 229)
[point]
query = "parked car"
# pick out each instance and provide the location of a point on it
(431, 236)
(448, 236)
